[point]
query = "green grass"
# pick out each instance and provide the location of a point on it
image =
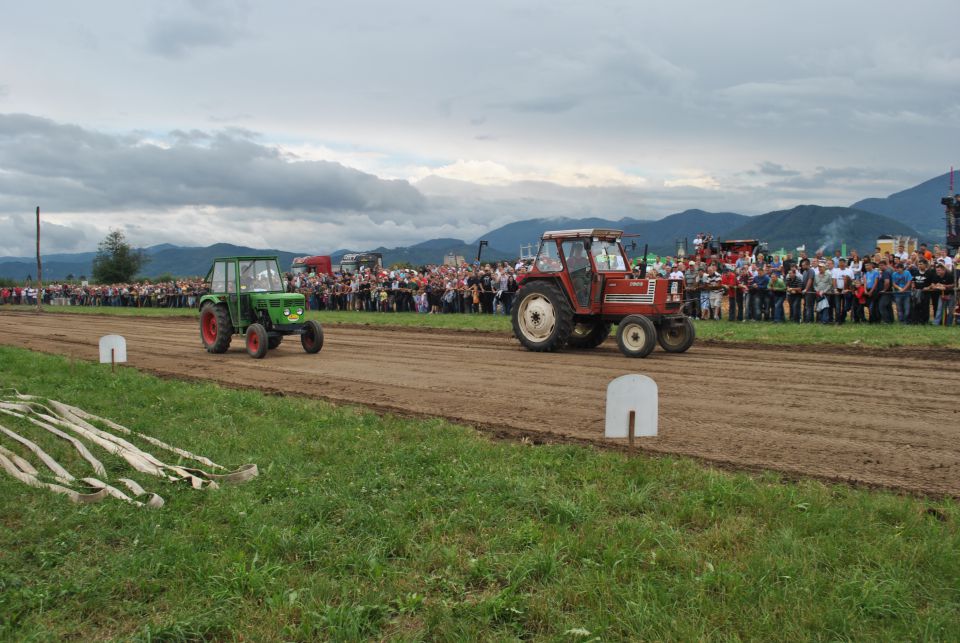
(881, 336)
(368, 527)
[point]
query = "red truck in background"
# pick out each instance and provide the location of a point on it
(320, 264)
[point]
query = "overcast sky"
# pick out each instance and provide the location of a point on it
(319, 125)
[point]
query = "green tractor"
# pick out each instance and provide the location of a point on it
(247, 298)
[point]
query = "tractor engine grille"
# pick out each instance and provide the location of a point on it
(270, 303)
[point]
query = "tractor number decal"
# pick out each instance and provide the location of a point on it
(632, 298)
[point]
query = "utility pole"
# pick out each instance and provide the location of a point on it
(39, 266)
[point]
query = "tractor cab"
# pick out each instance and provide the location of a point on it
(583, 258)
(581, 283)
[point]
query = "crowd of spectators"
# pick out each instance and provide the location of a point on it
(917, 287)
(172, 294)
(437, 289)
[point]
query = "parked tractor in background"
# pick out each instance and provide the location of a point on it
(247, 298)
(581, 284)
(727, 252)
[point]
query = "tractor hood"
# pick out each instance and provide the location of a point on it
(282, 307)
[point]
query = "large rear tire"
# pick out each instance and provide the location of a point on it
(312, 337)
(636, 336)
(216, 330)
(257, 341)
(589, 334)
(676, 337)
(542, 317)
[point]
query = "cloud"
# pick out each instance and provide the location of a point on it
(791, 90)
(563, 174)
(174, 38)
(897, 118)
(540, 105)
(204, 25)
(768, 168)
(82, 170)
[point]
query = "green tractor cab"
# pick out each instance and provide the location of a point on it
(247, 298)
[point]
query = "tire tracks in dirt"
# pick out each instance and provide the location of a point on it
(866, 416)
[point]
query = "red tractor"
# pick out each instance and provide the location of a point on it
(581, 284)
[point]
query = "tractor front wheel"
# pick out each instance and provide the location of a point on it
(589, 334)
(257, 341)
(274, 341)
(312, 337)
(215, 328)
(542, 317)
(636, 336)
(676, 337)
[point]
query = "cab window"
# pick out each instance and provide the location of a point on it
(547, 258)
(576, 254)
(218, 279)
(261, 275)
(231, 277)
(607, 256)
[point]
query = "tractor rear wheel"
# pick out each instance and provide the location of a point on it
(676, 337)
(636, 336)
(216, 330)
(589, 334)
(257, 341)
(273, 342)
(542, 317)
(312, 337)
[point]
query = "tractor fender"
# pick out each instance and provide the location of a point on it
(553, 280)
(213, 299)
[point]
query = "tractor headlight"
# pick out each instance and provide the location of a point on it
(299, 311)
(286, 312)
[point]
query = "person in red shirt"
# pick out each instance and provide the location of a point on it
(734, 295)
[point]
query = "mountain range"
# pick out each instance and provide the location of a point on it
(915, 212)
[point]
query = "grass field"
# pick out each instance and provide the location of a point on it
(363, 526)
(881, 336)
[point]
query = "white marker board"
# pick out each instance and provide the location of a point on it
(115, 343)
(637, 393)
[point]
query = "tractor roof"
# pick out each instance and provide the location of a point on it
(583, 232)
(245, 257)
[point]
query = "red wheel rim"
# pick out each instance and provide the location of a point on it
(253, 342)
(209, 327)
(309, 338)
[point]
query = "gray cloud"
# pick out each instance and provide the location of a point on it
(768, 168)
(174, 38)
(81, 170)
(540, 105)
(204, 25)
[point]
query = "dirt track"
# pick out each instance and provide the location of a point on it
(880, 418)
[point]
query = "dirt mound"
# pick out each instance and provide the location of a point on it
(869, 417)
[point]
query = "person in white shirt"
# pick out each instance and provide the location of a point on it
(843, 295)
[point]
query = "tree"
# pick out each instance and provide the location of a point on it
(116, 262)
